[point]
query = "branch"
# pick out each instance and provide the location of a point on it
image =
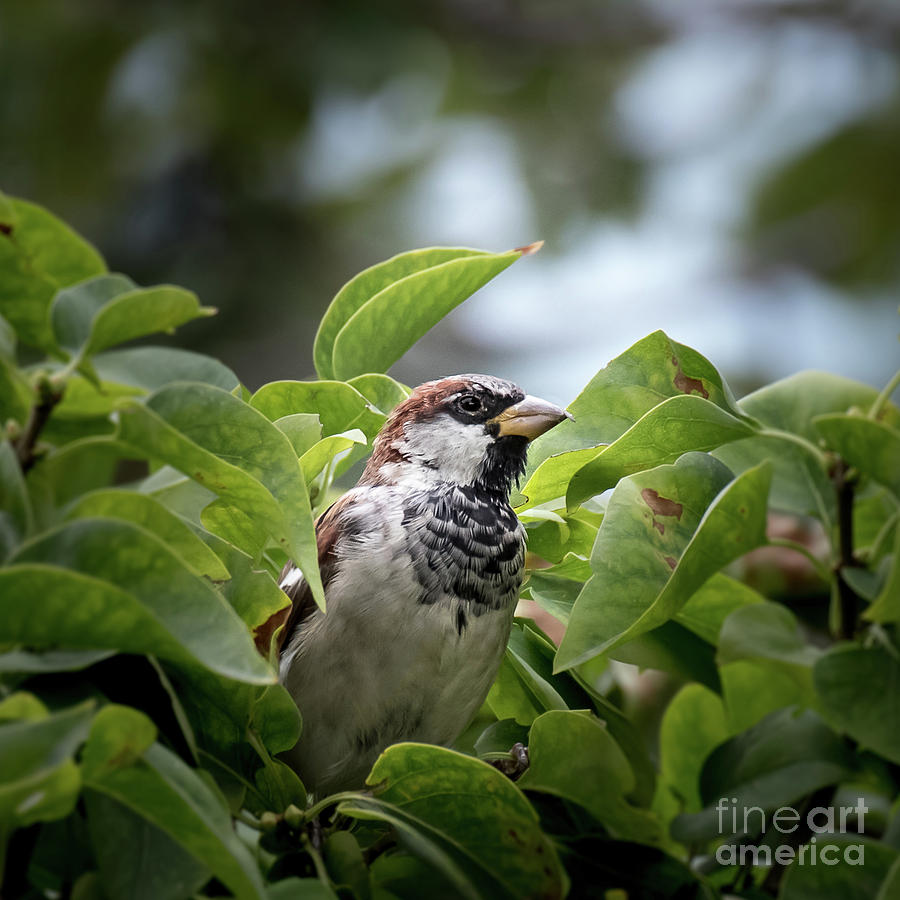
(844, 485)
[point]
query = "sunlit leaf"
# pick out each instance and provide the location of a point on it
(38, 256)
(666, 531)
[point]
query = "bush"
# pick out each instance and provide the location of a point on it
(149, 501)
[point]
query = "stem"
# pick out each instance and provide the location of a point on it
(882, 399)
(333, 800)
(808, 446)
(818, 565)
(318, 862)
(849, 603)
(245, 817)
(48, 397)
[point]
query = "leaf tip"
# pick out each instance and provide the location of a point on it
(530, 249)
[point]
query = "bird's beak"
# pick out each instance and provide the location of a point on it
(529, 419)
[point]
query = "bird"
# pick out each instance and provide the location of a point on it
(421, 564)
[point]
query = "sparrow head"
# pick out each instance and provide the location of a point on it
(466, 429)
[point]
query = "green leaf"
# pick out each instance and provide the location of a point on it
(111, 309)
(314, 460)
(390, 321)
(666, 531)
(346, 866)
(169, 794)
(38, 256)
(776, 762)
(653, 369)
(150, 368)
(886, 606)
(118, 738)
(754, 688)
(792, 403)
(150, 514)
(706, 611)
(303, 430)
(473, 812)
(16, 515)
(366, 285)
(51, 661)
(339, 406)
(765, 631)
(137, 860)
(860, 692)
(572, 755)
(692, 726)
(301, 889)
(101, 583)
(849, 874)
(670, 429)
(872, 447)
(380, 390)
(41, 781)
(230, 448)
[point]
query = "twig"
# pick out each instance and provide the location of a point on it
(48, 397)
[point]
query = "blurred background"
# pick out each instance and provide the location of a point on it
(726, 171)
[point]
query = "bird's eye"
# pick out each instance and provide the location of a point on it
(470, 404)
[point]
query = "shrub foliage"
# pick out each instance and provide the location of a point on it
(149, 501)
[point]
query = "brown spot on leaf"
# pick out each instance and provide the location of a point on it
(672, 562)
(659, 527)
(6, 228)
(688, 385)
(661, 506)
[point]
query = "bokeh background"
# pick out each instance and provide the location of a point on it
(726, 171)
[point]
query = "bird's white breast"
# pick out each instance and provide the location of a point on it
(382, 665)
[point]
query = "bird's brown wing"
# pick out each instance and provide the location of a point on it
(300, 594)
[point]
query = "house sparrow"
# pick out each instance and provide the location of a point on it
(421, 563)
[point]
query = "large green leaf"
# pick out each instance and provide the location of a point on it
(860, 692)
(886, 605)
(38, 256)
(776, 762)
(112, 309)
(792, 403)
(166, 792)
(692, 726)
(706, 611)
(670, 429)
(648, 372)
(872, 447)
(666, 531)
(98, 583)
(390, 321)
(143, 510)
(476, 814)
(149, 368)
(444, 275)
(857, 870)
(573, 756)
(765, 631)
(41, 780)
(230, 448)
(137, 860)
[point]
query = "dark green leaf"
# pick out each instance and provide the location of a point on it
(860, 692)
(849, 873)
(137, 860)
(170, 795)
(16, 515)
(776, 762)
